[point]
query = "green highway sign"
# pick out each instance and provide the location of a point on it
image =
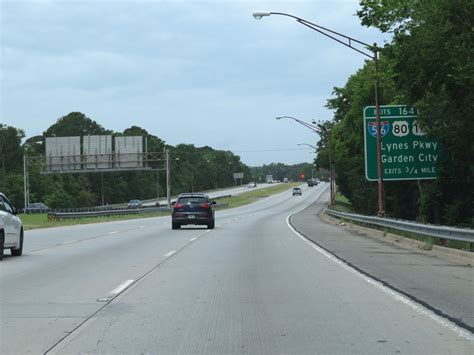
(407, 154)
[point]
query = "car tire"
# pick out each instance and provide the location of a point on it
(175, 226)
(211, 225)
(19, 251)
(2, 242)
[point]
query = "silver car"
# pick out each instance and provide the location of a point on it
(11, 228)
(296, 191)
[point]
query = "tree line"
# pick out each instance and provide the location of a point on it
(193, 169)
(427, 64)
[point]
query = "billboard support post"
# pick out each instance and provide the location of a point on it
(168, 190)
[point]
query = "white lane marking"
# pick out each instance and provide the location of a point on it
(121, 287)
(70, 242)
(114, 232)
(388, 291)
(167, 255)
(193, 239)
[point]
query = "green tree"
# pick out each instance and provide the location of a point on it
(11, 151)
(75, 124)
(431, 56)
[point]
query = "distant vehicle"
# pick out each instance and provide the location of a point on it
(37, 207)
(191, 208)
(285, 180)
(11, 228)
(251, 184)
(312, 182)
(269, 179)
(134, 204)
(296, 191)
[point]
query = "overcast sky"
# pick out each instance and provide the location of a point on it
(197, 72)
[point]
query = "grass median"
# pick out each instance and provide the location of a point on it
(254, 195)
(40, 220)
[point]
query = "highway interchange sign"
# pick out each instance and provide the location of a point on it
(407, 154)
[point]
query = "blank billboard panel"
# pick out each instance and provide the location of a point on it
(128, 152)
(63, 153)
(97, 152)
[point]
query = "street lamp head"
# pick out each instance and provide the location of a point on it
(279, 117)
(259, 15)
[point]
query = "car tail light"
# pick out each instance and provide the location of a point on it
(178, 205)
(205, 205)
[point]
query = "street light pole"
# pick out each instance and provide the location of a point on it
(332, 177)
(317, 130)
(331, 174)
(315, 152)
(381, 211)
(350, 43)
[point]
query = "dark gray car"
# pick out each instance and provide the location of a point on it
(192, 209)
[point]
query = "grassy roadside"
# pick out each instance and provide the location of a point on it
(40, 220)
(254, 195)
(343, 205)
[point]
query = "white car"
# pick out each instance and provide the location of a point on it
(11, 228)
(296, 191)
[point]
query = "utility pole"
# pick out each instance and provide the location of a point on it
(168, 178)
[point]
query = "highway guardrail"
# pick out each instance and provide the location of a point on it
(55, 216)
(450, 233)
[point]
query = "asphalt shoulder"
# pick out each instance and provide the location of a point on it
(445, 287)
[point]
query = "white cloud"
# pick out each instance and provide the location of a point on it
(207, 66)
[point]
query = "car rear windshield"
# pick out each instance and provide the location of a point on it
(190, 199)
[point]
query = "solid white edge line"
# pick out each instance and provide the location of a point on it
(114, 232)
(388, 291)
(167, 255)
(121, 287)
(192, 239)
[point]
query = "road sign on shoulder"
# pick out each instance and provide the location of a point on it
(407, 154)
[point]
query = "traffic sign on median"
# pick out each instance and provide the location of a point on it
(407, 154)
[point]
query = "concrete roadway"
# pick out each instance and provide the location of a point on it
(445, 287)
(217, 193)
(250, 286)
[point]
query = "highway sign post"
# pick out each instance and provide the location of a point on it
(407, 154)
